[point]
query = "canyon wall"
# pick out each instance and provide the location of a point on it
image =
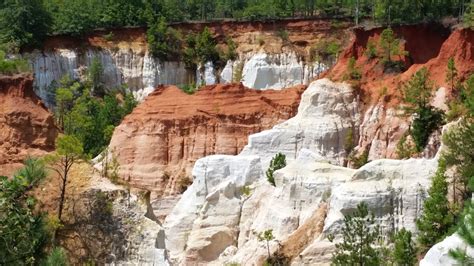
(158, 143)
(217, 222)
(26, 126)
(264, 61)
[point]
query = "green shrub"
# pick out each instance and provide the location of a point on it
(57, 257)
(371, 50)
(404, 251)
(12, 66)
(164, 42)
(405, 149)
(282, 34)
(353, 71)
(277, 162)
(426, 122)
(361, 160)
(189, 88)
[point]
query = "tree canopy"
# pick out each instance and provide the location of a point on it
(27, 22)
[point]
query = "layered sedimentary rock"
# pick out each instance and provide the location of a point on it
(26, 126)
(215, 222)
(382, 123)
(327, 119)
(157, 144)
(264, 60)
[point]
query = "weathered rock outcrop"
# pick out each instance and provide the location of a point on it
(26, 126)
(438, 255)
(382, 125)
(157, 144)
(264, 60)
(215, 222)
(327, 119)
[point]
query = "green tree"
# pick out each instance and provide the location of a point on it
(417, 93)
(57, 257)
(436, 218)
(22, 230)
(95, 73)
(360, 235)
(452, 74)
(266, 236)
(277, 162)
(164, 42)
(466, 232)
(69, 151)
(390, 46)
(23, 22)
(404, 252)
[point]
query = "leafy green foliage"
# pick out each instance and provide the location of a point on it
(466, 232)
(436, 218)
(277, 162)
(201, 48)
(95, 73)
(360, 235)
(390, 47)
(325, 51)
(361, 160)
(12, 66)
(92, 120)
(428, 120)
(353, 71)
(404, 252)
(371, 50)
(164, 42)
(23, 22)
(417, 93)
(22, 231)
(57, 257)
(231, 52)
(405, 149)
(29, 21)
(189, 88)
(469, 16)
(266, 236)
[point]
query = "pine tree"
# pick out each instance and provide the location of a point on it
(278, 162)
(436, 218)
(404, 253)
(360, 234)
(390, 45)
(466, 232)
(451, 74)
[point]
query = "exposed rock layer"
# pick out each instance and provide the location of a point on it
(157, 144)
(26, 126)
(381, 124)
(264, 61)
(215, 222)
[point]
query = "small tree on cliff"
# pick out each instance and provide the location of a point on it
(466, 232)
(360, 234)
(278, 162)
(404, 252)
(266, 236)
(436, 218)
(69, 151)
(417, 94)
(390, 46)
(22, 230)
(452, 74)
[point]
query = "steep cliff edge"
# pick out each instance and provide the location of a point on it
(26, 126)
(428, 46)
(271, 55)
(158, 143)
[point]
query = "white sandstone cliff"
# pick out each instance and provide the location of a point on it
(216, 223)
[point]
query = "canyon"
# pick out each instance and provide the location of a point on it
(193, 166)
(264, 60)
(27, 128)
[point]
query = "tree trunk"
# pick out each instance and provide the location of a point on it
(63, 191)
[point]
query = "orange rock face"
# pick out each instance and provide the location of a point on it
(26, 126)
(427, 46)
(158, 143)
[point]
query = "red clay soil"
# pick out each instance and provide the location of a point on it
(26, 126)
(158, 143)
(427, 45)
(300, 30)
